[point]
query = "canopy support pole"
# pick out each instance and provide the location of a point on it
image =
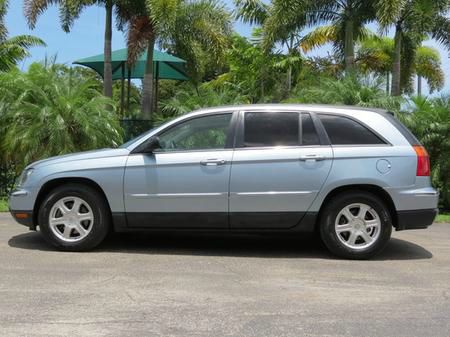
(122, 91)
(157, 87)
(129, 89)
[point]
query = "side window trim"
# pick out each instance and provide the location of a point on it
(233, 130)
(384, 140)
(300, 129)
(321, 133)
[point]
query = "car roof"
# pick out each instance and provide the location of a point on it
(300, 107)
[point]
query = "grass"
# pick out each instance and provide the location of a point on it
(443, 218)
(3, 205)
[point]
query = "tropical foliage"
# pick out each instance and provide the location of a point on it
(414, 21)
(51, 110)
(375, 54)
(430, 120)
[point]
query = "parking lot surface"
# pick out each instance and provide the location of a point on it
(202, 285)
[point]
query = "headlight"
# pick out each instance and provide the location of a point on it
(24, 176)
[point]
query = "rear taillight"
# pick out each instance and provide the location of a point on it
(423, 161)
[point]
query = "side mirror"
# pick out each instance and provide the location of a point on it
(149, 146)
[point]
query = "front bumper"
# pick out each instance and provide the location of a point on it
(24, 218)
(416, 219)
(21, 207)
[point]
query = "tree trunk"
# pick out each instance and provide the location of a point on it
(107, 66)
(122, 92)
(395, 88)
(289, 80)
(289, 71)
(387, 82)
(419, 85)
(147, 90)
(349, 47)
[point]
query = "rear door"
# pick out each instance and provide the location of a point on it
(279, 166)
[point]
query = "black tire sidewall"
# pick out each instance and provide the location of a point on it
(99, 208)
(332, 209)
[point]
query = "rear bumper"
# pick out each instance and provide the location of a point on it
(416, 219)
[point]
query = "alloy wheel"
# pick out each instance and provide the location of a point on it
(358, 226)
(71, 219)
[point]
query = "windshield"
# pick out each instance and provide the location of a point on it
(125, 145)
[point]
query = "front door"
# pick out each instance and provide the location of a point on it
(185, 183)
(279, 166)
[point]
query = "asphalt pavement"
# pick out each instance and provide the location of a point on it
(203, 285)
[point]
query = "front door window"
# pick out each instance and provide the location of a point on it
(202, 133)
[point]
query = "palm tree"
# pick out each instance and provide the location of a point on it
(346, 20)
(414, 20)
(15, 49)
(144, 21)
(191, 28)
(201, 35)
(428, 65)
(279, 28)
(376, 55)
(70, 10)
(54, 110)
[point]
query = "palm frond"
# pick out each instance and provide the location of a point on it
(140, 31)
(34, 8)
(251, 11)
(15, 49)
(318, 37)
(163, 15)
(388, 11)
(428, 65)
(441, 31)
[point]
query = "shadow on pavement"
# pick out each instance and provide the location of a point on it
(306, 246)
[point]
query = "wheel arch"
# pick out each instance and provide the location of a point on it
(56, 182)
(373, 189)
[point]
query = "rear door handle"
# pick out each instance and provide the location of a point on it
(213, 162)
(312, 157)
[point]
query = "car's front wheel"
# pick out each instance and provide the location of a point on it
(74, 217)
(355, 225)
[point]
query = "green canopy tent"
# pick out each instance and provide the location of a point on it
(165, 66)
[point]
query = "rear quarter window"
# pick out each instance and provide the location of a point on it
(346, 131)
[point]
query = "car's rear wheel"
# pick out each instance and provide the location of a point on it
(355, 225)
(74, 217)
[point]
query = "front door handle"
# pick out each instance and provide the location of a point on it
(312, 157)
(213, 162)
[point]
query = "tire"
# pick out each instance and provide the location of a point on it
(80, 217)
(355, 225)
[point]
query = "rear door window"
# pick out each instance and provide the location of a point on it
(266, 129)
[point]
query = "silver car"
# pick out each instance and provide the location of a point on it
(351, 174)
